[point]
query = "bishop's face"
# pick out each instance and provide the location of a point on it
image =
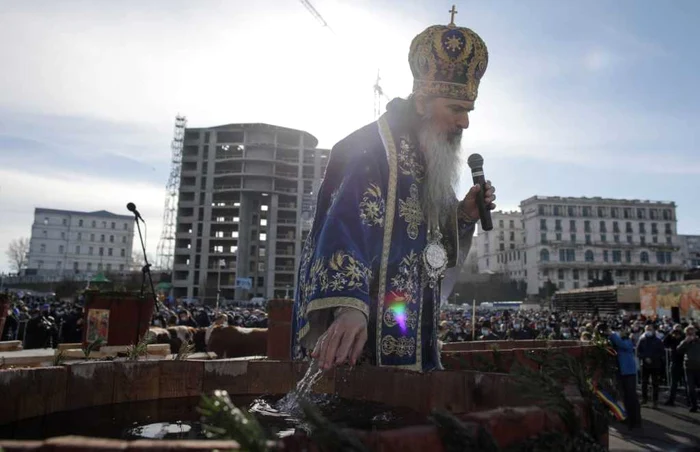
(447, 116)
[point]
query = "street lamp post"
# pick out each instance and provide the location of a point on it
(222, 264)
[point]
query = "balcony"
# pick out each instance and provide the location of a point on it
(285, 268)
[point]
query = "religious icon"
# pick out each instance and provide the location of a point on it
(97, 324)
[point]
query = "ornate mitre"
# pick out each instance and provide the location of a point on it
(448, 61)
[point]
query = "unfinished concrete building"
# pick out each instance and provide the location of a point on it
(246, 200)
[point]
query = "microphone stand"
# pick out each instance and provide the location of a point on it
(145, 271)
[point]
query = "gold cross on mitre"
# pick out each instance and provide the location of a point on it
(452, 12)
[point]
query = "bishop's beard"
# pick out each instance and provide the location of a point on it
(441, 150)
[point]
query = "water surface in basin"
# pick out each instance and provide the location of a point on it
(179, 419)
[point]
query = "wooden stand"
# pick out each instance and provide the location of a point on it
(121, 318)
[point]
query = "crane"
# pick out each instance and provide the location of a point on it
(378, 91)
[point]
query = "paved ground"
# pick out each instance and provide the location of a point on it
(668, 429)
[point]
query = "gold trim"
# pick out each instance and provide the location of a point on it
(337, 302)
(302, 332)
(390, 147)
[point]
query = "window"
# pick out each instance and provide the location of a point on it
(511, 224)
(616, 227)
(617, 256)
(111, 239)
(512, 246)
(561, 285)
(605, 255)
(572, 225)
(558, 236)
(90, 251)
(123, 253)
(669, 240)
(567, 255)
(76, 266)
(573, 238)
(46, 220)
(40, 264)
(544, 256)
(543, 237)
(557, 225)
(94, 224)
(602, 227)
(512, 235)
(102, 251)
(80, 235)
(668, 229)
(654, 229)
(629, 239)
(502, 247)
(500, 224)
(124, 239)
(588, 239)
(654, 239)
(89, 266)
(109, 252)
(587, 212)
(59, 265)
(65, 222)
(114, 225)
(540, 209)
(642, 228)
(99, 267)
(45, 233)
(121, 267)
(42, 248)
(543, 224)
(644, 257)
(126, 226)
(109, 267)
(660, 257)
(92, 237)
(603, 238)
(616, 238)
(587, 226)
(575, 273)
(628, 256)
(642, 240)
(104, 224)
(589, 256)
(557, 211)
(560, 273)
(647, 276)
(60, 249)
(102, 237)
(63, 235)
(615, 212)
(628, 227)
(571, 210)
(667, 214)
(641, 214)
(601, 212)
(77, 249)
(80, 223)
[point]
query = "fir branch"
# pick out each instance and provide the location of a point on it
(186, 349)
(325, 435)
(94, 345)
(223, 420)
(134, 352)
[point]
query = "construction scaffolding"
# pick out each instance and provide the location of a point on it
(166, 244)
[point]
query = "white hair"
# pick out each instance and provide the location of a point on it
(443, 164)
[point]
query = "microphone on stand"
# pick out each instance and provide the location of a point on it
(131, 207)
(476, 163)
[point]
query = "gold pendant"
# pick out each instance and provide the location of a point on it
(435, 259)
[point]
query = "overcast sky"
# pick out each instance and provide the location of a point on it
(581, 98)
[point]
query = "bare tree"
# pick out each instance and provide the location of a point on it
(17, 252)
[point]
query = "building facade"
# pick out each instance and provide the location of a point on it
(500, 250)
(690, 251)
(574, 241)
(246, 201)
(66, 242)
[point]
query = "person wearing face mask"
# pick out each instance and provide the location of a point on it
(517, 332)
(671, 342)
(486, 333)
(690, 347)
(651, 353)
(627, 376)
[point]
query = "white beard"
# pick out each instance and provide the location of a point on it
(442, 173)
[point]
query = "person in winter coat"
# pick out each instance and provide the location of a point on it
(651, 353)
(671, 342)
(690, 347)
(627, 377)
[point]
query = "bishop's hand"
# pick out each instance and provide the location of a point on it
(468, 209)
(343, 340)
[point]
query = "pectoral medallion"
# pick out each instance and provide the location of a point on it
(434, 259)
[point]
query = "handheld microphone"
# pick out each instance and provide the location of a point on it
(476, 163)
(131, 207)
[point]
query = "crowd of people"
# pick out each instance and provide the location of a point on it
(43, 321)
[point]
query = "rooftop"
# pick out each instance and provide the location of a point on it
(97, 213)
(308, 138)
(593, 200)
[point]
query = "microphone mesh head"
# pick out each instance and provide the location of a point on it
(475, 161)
(131, 207)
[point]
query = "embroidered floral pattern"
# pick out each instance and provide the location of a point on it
(341, 273)
(402, 346)
(408, 277)
(409, 163)
(410, 210)
(372, 207)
